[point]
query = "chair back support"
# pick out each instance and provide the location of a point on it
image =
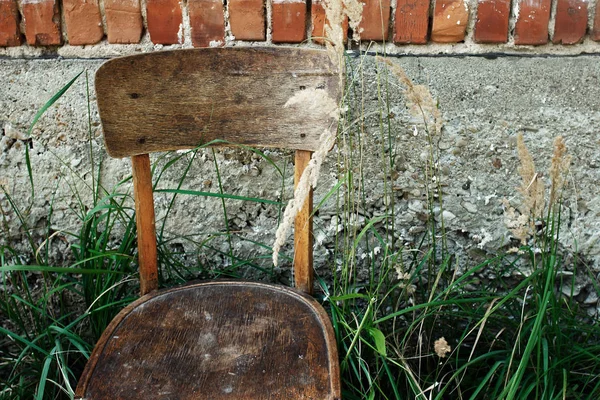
(182, 99)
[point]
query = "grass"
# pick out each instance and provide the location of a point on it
(513, 337)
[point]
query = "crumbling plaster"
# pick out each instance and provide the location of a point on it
(485, 103)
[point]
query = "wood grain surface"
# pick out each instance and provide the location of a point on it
(144, 218)
(181, 99)
(226, 339)
(193, 342)
(303, 231)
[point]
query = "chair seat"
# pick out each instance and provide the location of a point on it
(216, 340)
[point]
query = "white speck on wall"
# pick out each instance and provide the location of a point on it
(227, 389)
(486, 199)
(486, 237)
(215, 43)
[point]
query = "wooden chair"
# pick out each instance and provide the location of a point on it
(216, 339)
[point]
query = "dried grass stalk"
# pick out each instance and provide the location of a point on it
(419, 100)
(558, 170)
(533, 207)
(319, 101)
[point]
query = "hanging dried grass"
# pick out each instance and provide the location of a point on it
(319, 101)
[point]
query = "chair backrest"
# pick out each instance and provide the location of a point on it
(185, 98)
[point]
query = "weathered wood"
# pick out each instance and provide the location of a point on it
(216, 340)
(181, 99)
(144, 218)
(303, 231)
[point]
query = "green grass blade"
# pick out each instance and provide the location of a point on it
(64, 270)
(37, 116)
(379, 339)
(219, 195)
(44, 375)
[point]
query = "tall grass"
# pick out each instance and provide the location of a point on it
(410, 323)
(395, 310)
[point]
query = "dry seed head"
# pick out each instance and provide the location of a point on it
(532, 186)
(419, 100)
(441, 347)
(558, 170)
(527, 167)
(532, 190)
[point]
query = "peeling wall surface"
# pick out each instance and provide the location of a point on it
(484, 102)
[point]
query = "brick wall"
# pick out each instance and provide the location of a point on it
(516, 24)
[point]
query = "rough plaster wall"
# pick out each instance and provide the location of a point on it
(484, 102)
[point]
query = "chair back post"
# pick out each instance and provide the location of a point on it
(144, 218)
(303, 237)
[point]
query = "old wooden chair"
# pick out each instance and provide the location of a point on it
(217, 339)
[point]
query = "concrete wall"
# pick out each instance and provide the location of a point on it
(484, 102)
(497, 69)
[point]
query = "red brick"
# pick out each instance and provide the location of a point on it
(42, 22)
(165, 21)
(375, 23)
(289, 21)
(531, 27)
(247, 19)
(571, 21)
(450, 19)
(317, 14)
(123, 21)
(9, 23)
(412, 21)
(595, 34)
(207, 21)
(491, 25)
(83, 21)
